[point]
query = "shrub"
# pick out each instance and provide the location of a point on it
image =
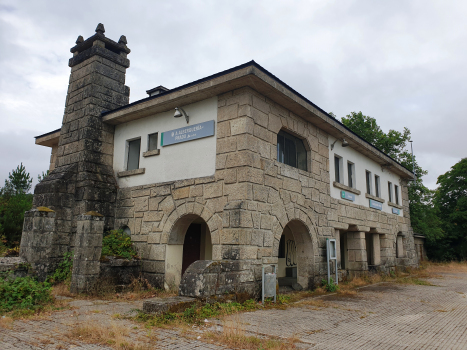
(22, 293)
(331, 286)
(63, 271)
(117, 243)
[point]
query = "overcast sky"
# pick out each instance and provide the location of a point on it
(401, 62)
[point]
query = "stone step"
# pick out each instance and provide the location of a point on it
(172, 304)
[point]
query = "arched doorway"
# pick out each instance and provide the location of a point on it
(296, 256)
(189, 241)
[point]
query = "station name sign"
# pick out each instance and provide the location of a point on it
(376, 205)
(396, 211)
(188, 133)
(348, 196)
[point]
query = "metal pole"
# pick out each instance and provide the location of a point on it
(327, 256)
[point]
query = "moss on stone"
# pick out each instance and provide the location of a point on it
(45, 209)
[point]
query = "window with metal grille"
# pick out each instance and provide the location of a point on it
(291, 150)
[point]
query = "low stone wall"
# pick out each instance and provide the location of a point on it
(120, 271)
(205, 279)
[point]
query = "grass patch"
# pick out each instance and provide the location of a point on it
(233, 335)
(197, 313)
(114, 335)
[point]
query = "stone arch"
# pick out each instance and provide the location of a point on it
(176, 242)
(306, 250)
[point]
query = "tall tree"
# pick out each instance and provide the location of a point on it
(19, 181)
(14, 201)
(451, 201)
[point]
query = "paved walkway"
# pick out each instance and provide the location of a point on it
(383, 316)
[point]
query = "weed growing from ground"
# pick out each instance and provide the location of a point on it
(329, 287)
(23, 294)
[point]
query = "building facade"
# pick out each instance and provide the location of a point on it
(251, 174)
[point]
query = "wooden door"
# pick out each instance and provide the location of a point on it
(191, 246)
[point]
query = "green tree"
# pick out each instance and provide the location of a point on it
(14, 201)
(423, 214)
(42, 176)
(451, 202)
(19, 181)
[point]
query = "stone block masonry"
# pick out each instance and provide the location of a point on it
(83, 179)
(251, 199)
(87, 252)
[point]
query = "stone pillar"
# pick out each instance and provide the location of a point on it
(37, 241)
(87, 252)
(356, 248)
(376, 254)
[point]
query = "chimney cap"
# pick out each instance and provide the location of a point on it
(157, 90)
(100, 29)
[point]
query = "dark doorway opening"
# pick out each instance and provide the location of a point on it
(191, 246)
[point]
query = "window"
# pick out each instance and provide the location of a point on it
(133, 154)
(377, 186)
(351, 174)
(390, 191)
(291, 151)
(338, 169)
(396, 193)
(152, 142)
(368, 182)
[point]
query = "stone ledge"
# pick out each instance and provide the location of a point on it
(131, 172)
(346, 188)
(391, 204)
(155, 152)
(370, 196)
(162, 305)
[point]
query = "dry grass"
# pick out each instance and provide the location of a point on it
(6, 322)
(233, 335)
(105, 289)
(435, 268)
(114, 335)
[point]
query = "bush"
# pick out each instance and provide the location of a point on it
(331, 286)
(63, 271)
(117, 243)
(22, 293)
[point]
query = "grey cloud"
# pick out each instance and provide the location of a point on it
(400, 62)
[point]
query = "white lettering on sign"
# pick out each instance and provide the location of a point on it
(188, 133)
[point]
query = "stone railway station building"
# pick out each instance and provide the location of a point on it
(251, 174)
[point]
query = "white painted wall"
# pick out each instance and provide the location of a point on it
(362, 163)
(184, 160)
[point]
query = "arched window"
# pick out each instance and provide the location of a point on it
(291, 150)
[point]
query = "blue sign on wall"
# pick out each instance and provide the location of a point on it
(396, 211)
(376, 205)
(348, 196)
(188, 133)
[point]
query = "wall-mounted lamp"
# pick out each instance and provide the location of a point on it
(180, 112)
(344, 143)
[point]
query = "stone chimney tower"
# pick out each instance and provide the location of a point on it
(83, 179)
